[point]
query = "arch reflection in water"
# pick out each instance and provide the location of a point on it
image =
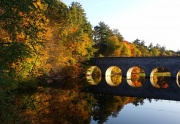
(113, 76)
(93, 75)
(135, 76)
(160, 77)
(178, 78)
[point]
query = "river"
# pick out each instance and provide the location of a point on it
(133, 110)
(71, 102)
(150, 112)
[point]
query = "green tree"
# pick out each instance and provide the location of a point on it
(140, 45)
(100, 35)
(101, 32)
(106, 39)
(112, 45)
(150, 46)
(155, 52)
(137, 42)
(118, 35)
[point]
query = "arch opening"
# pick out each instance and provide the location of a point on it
(160, 77)
(113, 76)
(135, 76)
(178, 78)
(93, 75)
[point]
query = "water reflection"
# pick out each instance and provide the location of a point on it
(110, 106)
(178, 78)
(113, 76)
(160, 81)
(72, 106)
(151, 112)
(160, 78)
(93, 75)
(75, 105)
(135, 76)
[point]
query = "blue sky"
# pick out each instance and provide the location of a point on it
(154, 21)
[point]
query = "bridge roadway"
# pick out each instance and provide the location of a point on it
(147, 64)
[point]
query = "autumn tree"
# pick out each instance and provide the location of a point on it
(71, 39)
(140, 45)
(112, 45)
(135, 52)
(106, 40)
(23, 26)
(118, 35)
(125, 51)
(107, 106)
(154, 52)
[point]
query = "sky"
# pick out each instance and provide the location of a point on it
(154, 21)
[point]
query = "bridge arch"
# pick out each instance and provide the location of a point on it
(178, 78)
(113, 76)
(134, 76)
(93, 75)
(160, 77)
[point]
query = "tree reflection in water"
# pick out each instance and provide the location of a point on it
(113, 76)
(161, 78)
(161, 81)
(107, 105)
(49, 105)
(137, 77)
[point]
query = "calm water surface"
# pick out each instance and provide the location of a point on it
(134, 110)
(150, 112)
(71, 104)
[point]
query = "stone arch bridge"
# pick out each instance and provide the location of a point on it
(172, 64)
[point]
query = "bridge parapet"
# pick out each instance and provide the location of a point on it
(146, 63)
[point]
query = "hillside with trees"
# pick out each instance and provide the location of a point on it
(110, 42)
(46, 40)
(46, 37)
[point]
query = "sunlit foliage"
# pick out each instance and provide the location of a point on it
(45, 41)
